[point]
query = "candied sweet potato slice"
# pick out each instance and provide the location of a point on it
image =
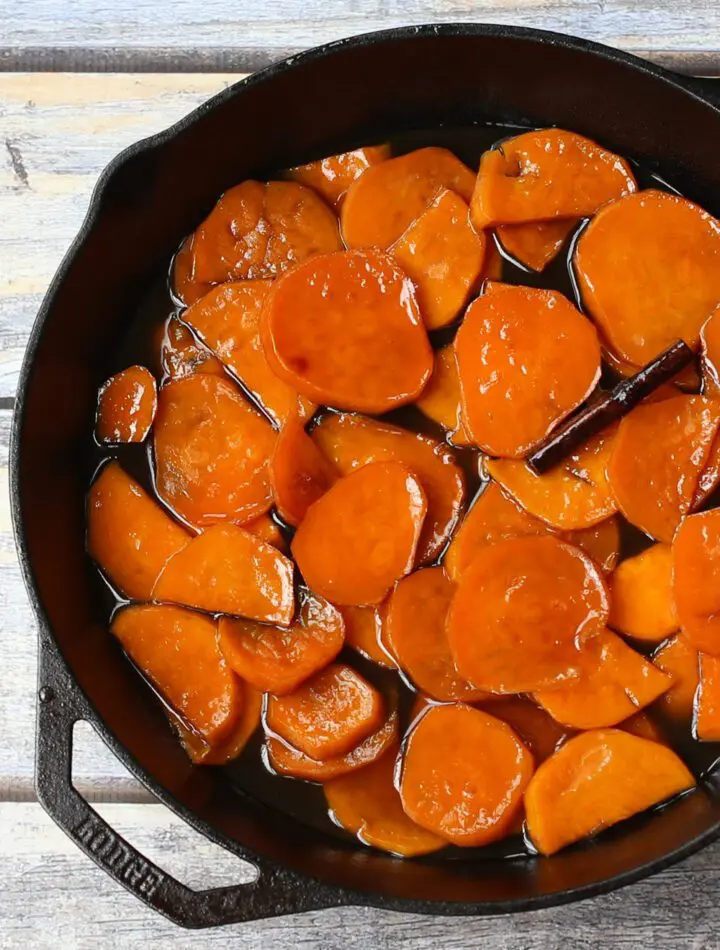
(696, 579)
(212, 452)
(127, 403)
(332, 176)
(362, 535)
(444, 256)
(278, 659)
(641, 724)
(463, 775)
(526, 358)
(659, 453)
(641, 595)
(707, 708)
(202, 753)
(440, 400)
(679, 658)
(260, 230)
(535, 243)
(299, 472)
(520, 610)
(176, 650)
(367, 804)
(353, 441)
(601, 542)
(180, 354)
(648, 269)
(129, 535)
(535, 727)
(710, 354)
(363, 632)
(333, 327)
(710, 475)
(226, 570)
(185, 288)
(267, 530)
(328, 715)
(595, 780)
(545, 174)
(387, 198)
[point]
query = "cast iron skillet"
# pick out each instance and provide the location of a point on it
(341, 95)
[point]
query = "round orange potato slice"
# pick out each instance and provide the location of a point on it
(535, 243)
(332, 176)
(127, 403)
(696, 579)
(299, 472)
(679, 658)
(641, 595)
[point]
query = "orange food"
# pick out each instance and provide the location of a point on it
(332, 176)
(710, 354)
(707, 710)
(536, 243)
(299, 472)
(601, 542)
(180, 354)
(463, 775)
(333, 327)
(226, 570)
(415, 631)
(231, 747)
(696, 579)
(643, 726)
(648, 268)
(709, 477)
(526, 358)
(129, 536)
(367, 804)
(520, 611)
(184, 286)
(363, 632)
(212, 452)
(261, 230)
(595, 780)
(328, 715)
(641, 597)
(539, 731)
(362, 535)
(278, 659)
(352, 442)
(127, 403)
(267, 530)
(494, 266)
(440, 400)
(176, 650)
(679, 658)
(545, 174)
(387, 198)
(444, 256)
(659, 453)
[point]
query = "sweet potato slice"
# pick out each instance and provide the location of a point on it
(709, 477)
(641, 596)
(212, 452)
(180, 354)
(362, 535)
(267, 530)
(710, 354)
(440, 400)
(333, 327)
(332, 176)
(520, 611)
(415, 631)
(536, 243)
(129, 536)
(537, 730)
(201, 753)
(226, 570)
(444, 256)
(526, 358)
(363, 632)
(387, 198)
(127, 403)
(641, 724)
(177, 652)
(328, 715)
(601, 542)
(545, 174)
(367, 804)
(696, 579)
(278, 659)
(679, 658)
(648, 269)
(595, 780)
(707, 709)
(660, 451)
(261, 230)
(185, 288)
(299, 472)
(352, 441)
(463, 775)
(614, 682)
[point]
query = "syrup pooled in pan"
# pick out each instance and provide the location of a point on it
(249, 773)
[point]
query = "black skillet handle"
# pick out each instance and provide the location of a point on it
(705, 87)
(60, 706)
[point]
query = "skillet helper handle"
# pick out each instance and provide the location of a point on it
(703, 86)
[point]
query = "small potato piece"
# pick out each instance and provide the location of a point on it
(520, 611)
(535, 243)
(278, 659)
(180, 354)
(299, 472)
(463, 775)
(267, 530)
(648, 269)
(328, 715)
(710, 354)
(538, 730)
(696, 579)
(659, 453)
(367, 804)
(680, 659)
(201, 753)
(332, 176)
(601, 542)
(387, 198)
(260, 230)
(710, 475)
(363, 632)
(352, 441)
(707, 710)
(440, 400)
(444, 257)
(212, 452)
(595, 780)
(362, 535)
(333, 327)
(185, 288)
(226, 570)
(546, 174)
(415, 630)
(641, 596)
(177, 652)
(643, 726)
(129, 536)
(127, 403)
(526, 358)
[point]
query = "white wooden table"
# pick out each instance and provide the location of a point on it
(79, 80)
